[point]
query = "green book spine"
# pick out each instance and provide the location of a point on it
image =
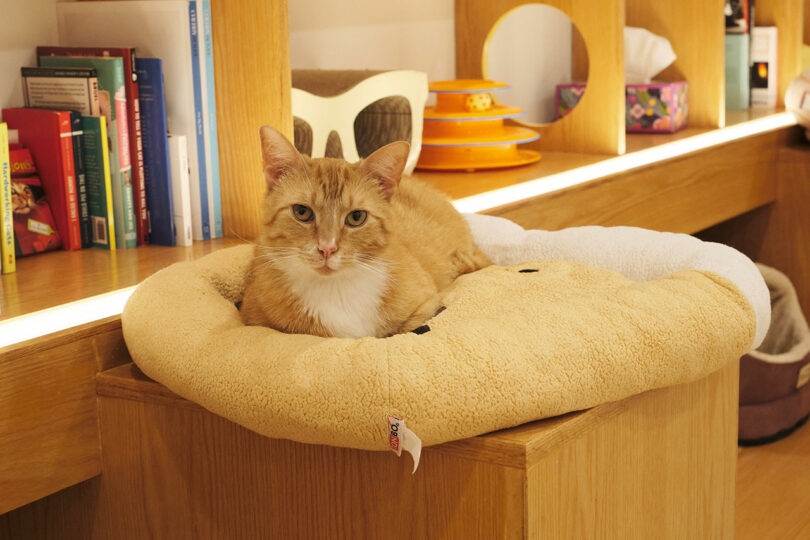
(113, 104)
(738, 71)
(97, 179)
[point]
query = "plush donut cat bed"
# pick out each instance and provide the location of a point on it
(568, 320)
(774, 389)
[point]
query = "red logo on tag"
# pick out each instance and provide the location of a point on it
(393, 433)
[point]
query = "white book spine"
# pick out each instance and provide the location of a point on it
(181, 193)
(764, 48)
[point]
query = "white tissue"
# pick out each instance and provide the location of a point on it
(645, 55)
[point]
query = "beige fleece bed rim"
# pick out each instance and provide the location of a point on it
(509, 348)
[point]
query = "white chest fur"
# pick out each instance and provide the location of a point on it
(347, 303)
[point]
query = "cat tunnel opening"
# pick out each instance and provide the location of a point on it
(384, 121)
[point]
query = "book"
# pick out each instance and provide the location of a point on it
(8, 262)
(181, 193)
(158, 29)
(114, 108)
(48, 136)
(199, 110)
(206, 45)
(72, 89)
(81, 183)
(738, 16)
(131, 89)
(34, 225)
(737, 71)
(99, 186)
(156, 152)
(764, 69)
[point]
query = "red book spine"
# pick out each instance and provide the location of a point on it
(138, 175)
(74, 240)
(136, 147)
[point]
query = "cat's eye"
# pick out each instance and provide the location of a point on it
(356, 218)
(302, 213)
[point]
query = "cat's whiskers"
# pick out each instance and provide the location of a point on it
(379, 269)
(273, 255)
(365, 257)
(274, 261)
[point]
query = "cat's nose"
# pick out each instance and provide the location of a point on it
(327, 249)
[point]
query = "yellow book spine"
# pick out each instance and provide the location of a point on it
(105, 150)
(9, 263)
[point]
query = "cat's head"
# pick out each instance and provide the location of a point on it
(326, 215)
(22, 199)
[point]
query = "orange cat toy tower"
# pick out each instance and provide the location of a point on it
(465, 131)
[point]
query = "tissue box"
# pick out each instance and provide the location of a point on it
(657, 107)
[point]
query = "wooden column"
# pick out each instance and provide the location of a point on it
(252, 67)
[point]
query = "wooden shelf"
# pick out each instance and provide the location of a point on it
(722, 183)
(52, 279)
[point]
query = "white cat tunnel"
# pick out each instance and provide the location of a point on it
(384, 105)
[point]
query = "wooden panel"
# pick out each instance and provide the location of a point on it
(788, 16)
(686, 195)
(579, 56)
(128, 382)
(518, 447)
(67, 514)
(597, 123)
(525, 445)
(102, 341)
(177, 473)
(695, 29)
(806, 22)
(772, 485)
(662, 469)
(48, 427)
(770, 498)
(776, 235)
(56, 278)
(252, 67)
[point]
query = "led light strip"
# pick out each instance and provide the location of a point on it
(48, 321)
(555, 182)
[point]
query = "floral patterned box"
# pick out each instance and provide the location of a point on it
(657, 107)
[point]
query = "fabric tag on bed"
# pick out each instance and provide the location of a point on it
(401, 438)
(804, 376)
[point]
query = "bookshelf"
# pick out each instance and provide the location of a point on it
(252, 51)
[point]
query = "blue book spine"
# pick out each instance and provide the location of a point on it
(213, 147)
(193, 20)
(157, 171)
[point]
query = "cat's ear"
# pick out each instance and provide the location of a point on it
(278, 155)
(386, 164)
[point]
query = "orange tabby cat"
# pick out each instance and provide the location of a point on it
(351, 250)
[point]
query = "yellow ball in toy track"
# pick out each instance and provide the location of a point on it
(478, 102)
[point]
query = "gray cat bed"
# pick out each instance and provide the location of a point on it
(774, 389)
